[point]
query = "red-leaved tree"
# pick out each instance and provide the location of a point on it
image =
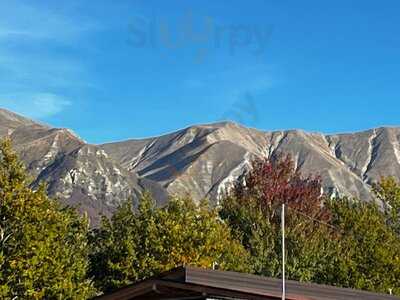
(272, 182)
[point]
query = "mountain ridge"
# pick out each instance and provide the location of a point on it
(202, 160)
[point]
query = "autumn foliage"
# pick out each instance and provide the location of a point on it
(273, 182)
(48, 251)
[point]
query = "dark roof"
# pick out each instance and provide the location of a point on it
(197, 283)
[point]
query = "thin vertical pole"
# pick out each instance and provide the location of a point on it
(283, 253)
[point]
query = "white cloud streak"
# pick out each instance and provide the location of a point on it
(34, 73)
(37, 106)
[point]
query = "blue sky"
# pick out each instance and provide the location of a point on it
(113, 70)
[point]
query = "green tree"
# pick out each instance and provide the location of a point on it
(368, 250)
(253, 209)
(137, 244)
(43, 247)
(387, 190)
(113, 246)
(309, 246)
(341, 242)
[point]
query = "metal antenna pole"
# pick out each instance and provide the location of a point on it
(283, 253)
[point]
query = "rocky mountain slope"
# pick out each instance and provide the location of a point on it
(76, 173)
(201, 160)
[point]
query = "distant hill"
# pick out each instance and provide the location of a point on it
(201, 160)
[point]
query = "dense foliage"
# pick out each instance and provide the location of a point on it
(253, 210)
(367, 252)
(339, 241)
(272, 182)
(388, 191)
(138, 244)
(48, 252)
(43, 248)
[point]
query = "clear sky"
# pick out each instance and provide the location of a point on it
(113, 70)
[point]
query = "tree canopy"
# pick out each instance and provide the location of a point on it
(253, 209)
(43, 250)
(48, 251)
(387, 190)
(341, 242)
(139, 243)
(367, 252)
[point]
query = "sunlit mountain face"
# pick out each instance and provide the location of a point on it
(201, 160)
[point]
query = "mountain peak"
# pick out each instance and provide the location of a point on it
(201, 160)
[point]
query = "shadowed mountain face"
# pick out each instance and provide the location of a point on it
(76, 173)
(204, 160)
(200, 160)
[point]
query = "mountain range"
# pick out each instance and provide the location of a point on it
(201, 160)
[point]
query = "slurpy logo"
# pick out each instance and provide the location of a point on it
(200, 35)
